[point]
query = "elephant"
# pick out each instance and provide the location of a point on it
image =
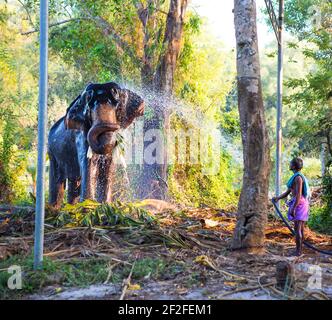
(80, 144)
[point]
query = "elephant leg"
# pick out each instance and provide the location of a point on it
(57, 184)
(105, 179)
(74, 188)
(101, 179)
(61, 186)
(89, 177)
(110, 182)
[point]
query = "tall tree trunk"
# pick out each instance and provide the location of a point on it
(154, 177)
(149, 23)
(164, 76)
(252, 208)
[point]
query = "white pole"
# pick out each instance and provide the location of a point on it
(42, 123)
(279, 94)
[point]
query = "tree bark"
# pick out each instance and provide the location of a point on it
(164, 76)
(252, 207)
(148, 19)
(323, 158)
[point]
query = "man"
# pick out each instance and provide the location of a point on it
(299, 204)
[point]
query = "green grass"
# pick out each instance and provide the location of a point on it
(31, 280)
(155, 268)
(194, 279)
(80, 273)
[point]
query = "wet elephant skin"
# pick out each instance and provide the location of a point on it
(81, 143)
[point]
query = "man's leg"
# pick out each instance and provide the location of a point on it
(303, 225)
(298, 237)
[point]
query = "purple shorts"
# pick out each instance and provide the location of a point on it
(301, 211)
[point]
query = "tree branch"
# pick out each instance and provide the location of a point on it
(53, 25)
(106, 26)
(110, 30)
(27, 12)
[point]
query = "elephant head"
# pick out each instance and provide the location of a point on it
(101, 110)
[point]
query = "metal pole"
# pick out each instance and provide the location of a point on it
(42, 122)
(279, 94)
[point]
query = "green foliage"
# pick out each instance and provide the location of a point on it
(307, 78)
(83, 273)
(205, 74)
(205, 80)
(155, 268)
(31, 280)
(312, 170)
(301, 16)
(320, 219)
(80, 273)
(310, 94)
(189, 185)
(55, 273)
(15, 134)
(327, 188)
(84, 46)
(90, 213)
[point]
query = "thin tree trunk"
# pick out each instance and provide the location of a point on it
(328, 141)
(323, 158)
(252, 208)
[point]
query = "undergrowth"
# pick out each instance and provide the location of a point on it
(320, 219)
(81, 273)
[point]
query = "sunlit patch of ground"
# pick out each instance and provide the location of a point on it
(183, 254)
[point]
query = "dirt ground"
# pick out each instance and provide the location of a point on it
(194, 245)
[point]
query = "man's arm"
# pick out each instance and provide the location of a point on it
(282, 196)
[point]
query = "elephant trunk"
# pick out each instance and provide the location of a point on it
(100, 137)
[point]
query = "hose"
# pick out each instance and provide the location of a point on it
(293, 232)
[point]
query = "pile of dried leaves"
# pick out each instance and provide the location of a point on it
(199, 237)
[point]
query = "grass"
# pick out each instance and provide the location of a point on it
(78, 273)
(54, 273)
(155, 268)
(194, 279)
(31, 280)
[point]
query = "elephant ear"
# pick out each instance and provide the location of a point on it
(76, 115)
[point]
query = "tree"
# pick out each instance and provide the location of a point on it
(252, 207)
